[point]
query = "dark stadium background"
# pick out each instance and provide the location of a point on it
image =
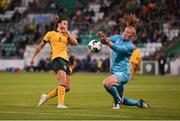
(24, 23)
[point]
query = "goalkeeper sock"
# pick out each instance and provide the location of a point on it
(131, 102)
(114, 92)
(61, 94)
(120, 90)
(52, 94)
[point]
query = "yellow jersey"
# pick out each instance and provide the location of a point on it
(135, 62)
(59, 44)
(136, 57)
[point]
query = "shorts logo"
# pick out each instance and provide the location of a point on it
(65, 67)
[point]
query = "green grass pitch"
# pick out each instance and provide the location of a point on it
(87, 100)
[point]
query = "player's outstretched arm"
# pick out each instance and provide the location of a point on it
(38, 49)
(116, 48)
(103, 38)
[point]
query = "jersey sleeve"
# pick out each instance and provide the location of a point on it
(113, 38)
(128, 49)
(47, 37)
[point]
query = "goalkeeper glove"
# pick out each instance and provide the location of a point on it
(103, 38)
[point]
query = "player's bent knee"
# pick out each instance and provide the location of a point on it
(107, 84)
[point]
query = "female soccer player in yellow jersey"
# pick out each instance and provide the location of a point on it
(135, 62)
(58, 40)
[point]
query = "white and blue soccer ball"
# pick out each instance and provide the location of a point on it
(95, 46)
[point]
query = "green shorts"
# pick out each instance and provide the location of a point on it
(61, 64)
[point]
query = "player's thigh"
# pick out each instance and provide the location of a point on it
(61, 76)
(110, 80)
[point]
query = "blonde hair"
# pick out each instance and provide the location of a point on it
(130, 21)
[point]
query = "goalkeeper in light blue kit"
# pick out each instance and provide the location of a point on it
(122, 48)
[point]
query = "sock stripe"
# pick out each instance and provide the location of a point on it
(63, 85)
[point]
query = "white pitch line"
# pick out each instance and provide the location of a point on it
(75, 114)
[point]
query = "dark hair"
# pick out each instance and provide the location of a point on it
(59, 20)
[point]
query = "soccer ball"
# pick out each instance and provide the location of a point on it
(95, 46)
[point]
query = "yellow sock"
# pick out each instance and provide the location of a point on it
(61, 94)
(52, 94)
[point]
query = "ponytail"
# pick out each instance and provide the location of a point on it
(130, 21)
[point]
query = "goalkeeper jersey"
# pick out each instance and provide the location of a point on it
(122, 51)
